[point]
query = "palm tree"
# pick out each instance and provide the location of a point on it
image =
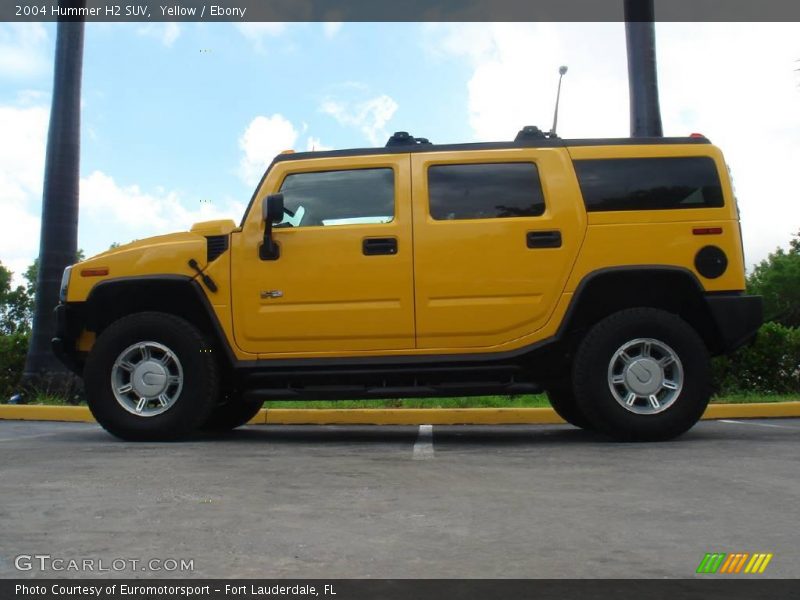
(640, 35)
(59, 231)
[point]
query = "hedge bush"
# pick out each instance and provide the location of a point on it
(13, 349)
(770, 366)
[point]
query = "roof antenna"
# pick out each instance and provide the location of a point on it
(561, 70)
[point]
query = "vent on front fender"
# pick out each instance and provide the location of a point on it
(216, 245)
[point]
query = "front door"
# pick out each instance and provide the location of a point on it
(343, 282)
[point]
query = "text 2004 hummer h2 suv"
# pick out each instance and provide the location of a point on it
(604, 272)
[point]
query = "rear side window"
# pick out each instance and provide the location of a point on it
(485, 191)
(649, 183)
(327, 198)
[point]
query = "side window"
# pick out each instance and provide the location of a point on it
(328, 198)
(485, 191)
(649, 183)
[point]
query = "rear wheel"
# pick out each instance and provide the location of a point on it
(151, 376)
(642, 374)
(563, 402)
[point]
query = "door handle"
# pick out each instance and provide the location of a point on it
(543, 239)
(374, 246)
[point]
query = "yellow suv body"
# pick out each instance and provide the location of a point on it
(604, 272)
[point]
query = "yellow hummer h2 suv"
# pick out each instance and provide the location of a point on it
(603, 272)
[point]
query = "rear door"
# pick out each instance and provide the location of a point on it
(495, 236)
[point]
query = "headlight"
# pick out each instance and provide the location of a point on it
(62, 294)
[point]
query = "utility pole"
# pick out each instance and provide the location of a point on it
(59, 230)
(640, 36)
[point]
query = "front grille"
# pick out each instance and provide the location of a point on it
(216, 245)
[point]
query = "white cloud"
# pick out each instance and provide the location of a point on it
(23, 49)
(735, 83)
(314, 144)
(370, 116)
(21, 176)
(257, 32)
(135, 213)
(22, 151)
(20, 241)
(109, 211)
(331, 28)
(264, 138)
(515, 74)
(166, 33)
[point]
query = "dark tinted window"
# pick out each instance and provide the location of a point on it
(485, 191)
(649, 183)
(339, 197)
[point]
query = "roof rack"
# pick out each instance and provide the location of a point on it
(403, 138)
(531, 132)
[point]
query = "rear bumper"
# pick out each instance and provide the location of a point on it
(737, 318)
(69, 323)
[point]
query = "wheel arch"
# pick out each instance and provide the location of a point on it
(178, 295)
(674, 289)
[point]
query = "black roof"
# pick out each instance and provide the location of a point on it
(529, 143)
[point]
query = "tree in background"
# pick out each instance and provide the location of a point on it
(15, 322)
(777, 279)
(15, 306)
(16, 314)
(59, 232)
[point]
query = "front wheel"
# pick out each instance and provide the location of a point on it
(642, 374)
(232, 414)
(151, 376)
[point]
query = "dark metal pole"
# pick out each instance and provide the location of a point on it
(642, 75)
(59, 230)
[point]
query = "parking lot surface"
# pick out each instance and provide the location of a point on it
(401, 502)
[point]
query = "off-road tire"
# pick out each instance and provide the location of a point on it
(563, 402)
(591, 375)
(200, 377)
(234, 413)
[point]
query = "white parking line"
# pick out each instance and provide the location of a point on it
(757, 424)
(423, 447)
(27, 437)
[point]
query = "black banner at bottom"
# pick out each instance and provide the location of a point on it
(400, 589)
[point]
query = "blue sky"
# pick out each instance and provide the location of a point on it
(179, 120)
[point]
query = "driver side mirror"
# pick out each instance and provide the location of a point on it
(272, 208)
(272, 212)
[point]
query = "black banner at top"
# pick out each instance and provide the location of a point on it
(389, 10)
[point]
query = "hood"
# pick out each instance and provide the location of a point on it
(162, 255)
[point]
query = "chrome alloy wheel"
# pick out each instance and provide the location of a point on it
(645, 376)
(147, 379)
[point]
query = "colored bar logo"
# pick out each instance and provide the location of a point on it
(734, 563)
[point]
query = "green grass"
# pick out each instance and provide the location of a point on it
(750, 398)
(529, 401)
(50, 400)
(537, 401)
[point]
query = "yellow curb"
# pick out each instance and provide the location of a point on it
(404, 416)
(79, 414)
(764, 410)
